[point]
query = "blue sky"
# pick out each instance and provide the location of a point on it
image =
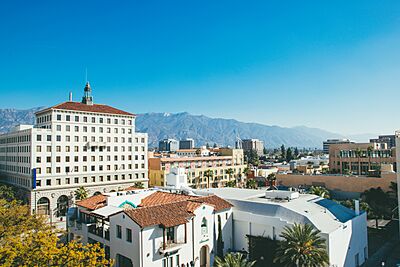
(334, 65)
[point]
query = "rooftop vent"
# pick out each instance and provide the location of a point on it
(281, 194)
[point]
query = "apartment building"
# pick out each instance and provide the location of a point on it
(73, 144)
(369, 159)
(228, 160)
(253, 144)
(327, 143)
(153, 227)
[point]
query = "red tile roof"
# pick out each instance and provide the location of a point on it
(93, 202)
(167, 215)
(218, 203)
(95, 108)
(160, 198)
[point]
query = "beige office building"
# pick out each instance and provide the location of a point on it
(196, 167)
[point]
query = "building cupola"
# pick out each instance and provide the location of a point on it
(87, 97)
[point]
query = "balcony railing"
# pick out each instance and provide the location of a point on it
(170, 246)
(96, 230)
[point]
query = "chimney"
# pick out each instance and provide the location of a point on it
(70, 96)
(357, 207)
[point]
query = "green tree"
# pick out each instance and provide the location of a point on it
(233, 260)
(319, 191)
(289, 154)
(271, 179)
(251, 184)
(301, 246)
(209, 174)
(81, 193)
(230, 184)
(283, 152)
(296, 152)
(379, 203)
(139, 185)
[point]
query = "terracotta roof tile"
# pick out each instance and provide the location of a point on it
(218, 203)
(93, 202)
(159, 198)
(167, 215)
(96, 108)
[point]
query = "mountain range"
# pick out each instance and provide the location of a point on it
(201, 128)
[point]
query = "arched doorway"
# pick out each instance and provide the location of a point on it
(43, 206)
(122, 261)
(62, 206)
(204, 257)
(97, 193)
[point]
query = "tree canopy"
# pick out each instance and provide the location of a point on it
(27, 240)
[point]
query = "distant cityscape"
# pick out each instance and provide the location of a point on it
(84, 167)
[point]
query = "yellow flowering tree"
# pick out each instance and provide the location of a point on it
(27, 240)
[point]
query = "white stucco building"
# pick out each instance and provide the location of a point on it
(265, 213)
(73, 144)
(151, 227)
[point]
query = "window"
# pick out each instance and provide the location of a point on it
(76, 118)
(58, 127)
(58, 117)
(93, 119)
(170, 235)
(128, 235)
(76, 180)
(119, 231)
(48, 170)
(84, 119)
(204, 229)
(177, 260)
(58, 138)
(48, 148)
(48, 181)
(38, 138)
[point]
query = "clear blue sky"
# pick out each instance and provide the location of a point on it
(328, 64)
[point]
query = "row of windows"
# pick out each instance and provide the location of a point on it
(128, 233)
(92, 179)
(93, 129)
(15, 149)
(77, 118)
(93, 148)
(18, 159)
(69, 169)
(15, 139)
(17, 180)
(18, 169)
(85, 139)
(85, 158)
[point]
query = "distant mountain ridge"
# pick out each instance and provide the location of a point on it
(199, 127)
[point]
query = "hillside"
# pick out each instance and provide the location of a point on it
(201, 128)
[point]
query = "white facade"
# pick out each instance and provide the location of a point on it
(256, 213)
(131, 243)
(73, 144)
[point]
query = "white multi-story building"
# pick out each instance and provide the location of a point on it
(397, 134)
(150, 227)
(73, 144)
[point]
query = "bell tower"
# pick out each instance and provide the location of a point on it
(87, 97)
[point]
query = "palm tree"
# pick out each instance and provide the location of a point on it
(229, 172)
(139, 185)
(233, 260)
(209, 174)
(302, 246)
(81, 193)
(319, 191)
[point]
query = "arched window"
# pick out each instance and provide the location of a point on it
(204, 229)
(43, 206)
(62, 206)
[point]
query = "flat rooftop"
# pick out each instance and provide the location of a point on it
(326, 215)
